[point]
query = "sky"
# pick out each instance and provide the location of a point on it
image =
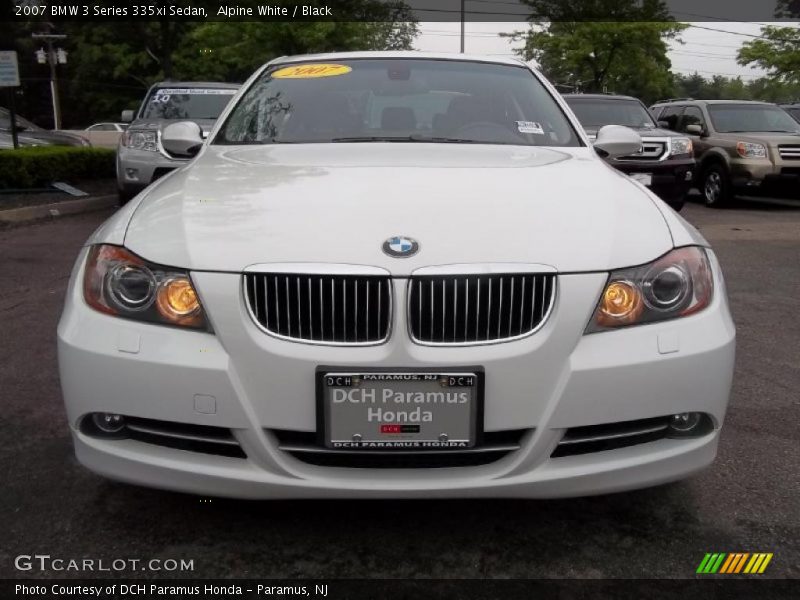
(705, 51)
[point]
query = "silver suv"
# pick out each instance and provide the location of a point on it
(141, 159)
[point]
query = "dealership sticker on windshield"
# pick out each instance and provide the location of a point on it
(311, 71)
(197, 91)
(529, 127)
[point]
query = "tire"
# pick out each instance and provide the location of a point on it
(715, 186)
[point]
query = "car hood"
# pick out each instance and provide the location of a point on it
(770, 138)
(158, 124)
(645, 132)
(337, 203)
(47, 137)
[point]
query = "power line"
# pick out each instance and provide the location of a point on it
(704, 55)
(693, 71)
(750, 35)
(495, 2)
(710, 45)
(451, 33)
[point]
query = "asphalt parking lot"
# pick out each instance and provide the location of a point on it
(748, 501)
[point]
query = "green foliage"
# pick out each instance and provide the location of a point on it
(724, 88)
(32, 167)
(778, 53)
(112, 63)
(232, 51)
(596, 56)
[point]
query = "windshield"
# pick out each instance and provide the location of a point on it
(795, 112)
(403, 100)
(187, 103)
(730, 118)
(595, 112)
(22, 124)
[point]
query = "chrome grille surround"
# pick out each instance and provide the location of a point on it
(523, 297)
(319, 303)
(656, 149)
(789, 151)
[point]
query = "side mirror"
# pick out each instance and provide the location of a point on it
(614, 141)
(126, 116)
(182, 139)
(663, 124)
(695, 129)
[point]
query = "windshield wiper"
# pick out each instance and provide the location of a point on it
(414, 137)
(760, 131)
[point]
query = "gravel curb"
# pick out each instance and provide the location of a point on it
(56, 209)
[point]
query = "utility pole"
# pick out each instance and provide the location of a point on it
(53, 57)
(462, 25)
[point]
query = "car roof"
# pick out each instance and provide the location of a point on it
(600, 97)
(399, 54)
(199, 84)
(682, 102)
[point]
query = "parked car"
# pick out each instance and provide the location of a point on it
(741, 147)
(30, 134)
(118, 127)
(141, 158)
(665, 163)
(396, 274)
(103, 135)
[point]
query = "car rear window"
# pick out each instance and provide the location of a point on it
(413, 100)
(186, 103)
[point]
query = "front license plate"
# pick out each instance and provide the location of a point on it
(399, 411)
(643, 178)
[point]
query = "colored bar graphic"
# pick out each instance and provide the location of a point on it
(741, 562)
(734, 563)
(729, 563)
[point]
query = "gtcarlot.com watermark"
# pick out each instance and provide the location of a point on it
(46, 562)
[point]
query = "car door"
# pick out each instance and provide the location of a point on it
(670, 115)
(692, 115)
(104, 135)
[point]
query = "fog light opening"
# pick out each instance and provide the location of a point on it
(689, 424)
(108, 422)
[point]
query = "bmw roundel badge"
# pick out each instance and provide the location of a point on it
(400, 246)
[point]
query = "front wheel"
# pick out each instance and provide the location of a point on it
(716, 186)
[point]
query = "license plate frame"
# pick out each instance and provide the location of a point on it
(645, 179)
(476, 416)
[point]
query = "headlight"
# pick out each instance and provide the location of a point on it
(117, 282)
(681, 145)
(751, 150)
(140, 140)
(678, 284)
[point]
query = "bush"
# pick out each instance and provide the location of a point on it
(36, 167)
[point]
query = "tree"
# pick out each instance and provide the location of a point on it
(112, 63)
(777, 51)
(608, 55)
(231, 51)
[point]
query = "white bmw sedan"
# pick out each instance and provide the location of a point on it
(396, 275)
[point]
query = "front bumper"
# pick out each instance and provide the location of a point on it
(774, 177)
(136, 169)
(554, 380)
(672, 179)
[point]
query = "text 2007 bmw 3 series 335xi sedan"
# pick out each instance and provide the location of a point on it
(396, 275)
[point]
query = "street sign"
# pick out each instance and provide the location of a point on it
(9, 69)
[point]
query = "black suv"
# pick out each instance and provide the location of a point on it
(665, 164)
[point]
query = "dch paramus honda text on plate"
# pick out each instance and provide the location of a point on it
(396, 275)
